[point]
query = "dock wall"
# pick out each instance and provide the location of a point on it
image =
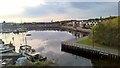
(89, 53)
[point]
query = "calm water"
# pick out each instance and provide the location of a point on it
(49, 44)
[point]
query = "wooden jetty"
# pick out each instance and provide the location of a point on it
(89, 52)
(9, 55)
(8, 50)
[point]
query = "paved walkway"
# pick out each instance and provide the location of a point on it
(105, 50)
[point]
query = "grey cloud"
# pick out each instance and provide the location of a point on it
(75, 10)
(44, 10)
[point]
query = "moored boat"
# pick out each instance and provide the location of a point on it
(5, 48)
(31, 54)
(28, 34)
(8, 54)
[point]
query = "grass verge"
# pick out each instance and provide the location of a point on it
(90, 43)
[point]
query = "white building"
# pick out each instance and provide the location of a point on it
(91, 23)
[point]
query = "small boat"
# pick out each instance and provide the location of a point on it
(28, 34)
(35, 57)
(5, 48)
(27, 51)
(16, 32)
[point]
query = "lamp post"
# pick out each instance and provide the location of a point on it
(93, 38)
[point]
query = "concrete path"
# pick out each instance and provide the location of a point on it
(105, 50)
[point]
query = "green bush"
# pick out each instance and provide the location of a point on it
(107, 33)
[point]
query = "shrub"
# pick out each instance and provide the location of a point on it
(106, 33)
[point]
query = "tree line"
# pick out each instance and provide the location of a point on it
(107, 33)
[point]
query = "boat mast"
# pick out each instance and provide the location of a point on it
(25, 41)
(22, 33)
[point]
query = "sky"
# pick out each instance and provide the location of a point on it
(46, 10)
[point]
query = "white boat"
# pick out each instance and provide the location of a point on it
(30, 53)
(4, 48)
(25, 49)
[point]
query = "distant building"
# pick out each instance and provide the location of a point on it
(82, 24)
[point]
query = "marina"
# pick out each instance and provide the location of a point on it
(64, 33)
(10, 57)
(41, 42)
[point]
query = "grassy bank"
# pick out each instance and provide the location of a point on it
(91, 43)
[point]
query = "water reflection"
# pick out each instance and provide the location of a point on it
(49, 44)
